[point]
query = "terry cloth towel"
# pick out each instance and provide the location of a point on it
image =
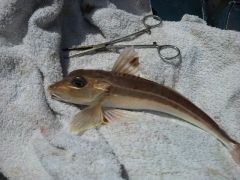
(34, 141)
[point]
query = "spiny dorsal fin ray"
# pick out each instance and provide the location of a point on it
(127, 62)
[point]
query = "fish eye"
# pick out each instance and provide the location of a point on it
(79, 82)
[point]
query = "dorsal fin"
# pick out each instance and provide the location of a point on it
(127, 62)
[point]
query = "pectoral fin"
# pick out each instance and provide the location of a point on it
(118, 115)
(127, 62)
(89, 118)
(86, 119)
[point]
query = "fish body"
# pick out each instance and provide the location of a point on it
(106, 91)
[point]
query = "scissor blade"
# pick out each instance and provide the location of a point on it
(89, 51)
(75, 48)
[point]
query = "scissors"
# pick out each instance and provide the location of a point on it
(109, 45)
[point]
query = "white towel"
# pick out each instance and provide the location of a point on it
(34, 143)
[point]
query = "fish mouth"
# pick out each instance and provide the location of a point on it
(56, 97)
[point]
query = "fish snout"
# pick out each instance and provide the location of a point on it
(54, 92)
(51, 88)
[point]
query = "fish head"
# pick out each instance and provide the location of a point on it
(79, 87)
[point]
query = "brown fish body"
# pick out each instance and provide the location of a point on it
(121, 89)
(135, 93)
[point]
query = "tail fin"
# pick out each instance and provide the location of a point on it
(235, 152)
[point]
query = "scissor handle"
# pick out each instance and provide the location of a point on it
(150, 26)
(168, 59)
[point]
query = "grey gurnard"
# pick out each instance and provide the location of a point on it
(105, 92)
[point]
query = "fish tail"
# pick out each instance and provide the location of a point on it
(235, 152)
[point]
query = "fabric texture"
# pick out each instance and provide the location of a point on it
(34, 139)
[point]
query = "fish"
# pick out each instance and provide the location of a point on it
(107, 93)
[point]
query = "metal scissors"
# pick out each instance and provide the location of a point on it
(109, 45)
